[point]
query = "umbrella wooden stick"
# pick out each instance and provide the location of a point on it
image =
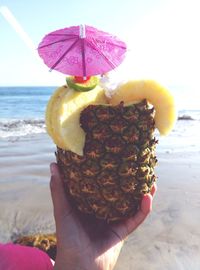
(82, 35)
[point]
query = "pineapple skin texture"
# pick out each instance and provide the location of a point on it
(117, 167)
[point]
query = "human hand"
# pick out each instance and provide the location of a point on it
(88, 243)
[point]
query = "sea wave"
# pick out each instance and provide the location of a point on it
(18, 128)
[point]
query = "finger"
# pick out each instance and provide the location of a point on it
(58, 194)
(128, 226)
(153, 190)
(146, 207)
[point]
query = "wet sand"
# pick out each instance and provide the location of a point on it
(24, 186)
(169, 239)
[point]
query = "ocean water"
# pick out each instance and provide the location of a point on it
(22, 112)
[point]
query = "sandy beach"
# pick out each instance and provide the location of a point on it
(169, 239)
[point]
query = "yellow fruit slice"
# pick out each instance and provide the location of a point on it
(157, 95)
(52, 112)
(63, 116)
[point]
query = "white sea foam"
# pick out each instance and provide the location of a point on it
(18, 128)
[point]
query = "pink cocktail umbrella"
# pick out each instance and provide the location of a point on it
(81, 51)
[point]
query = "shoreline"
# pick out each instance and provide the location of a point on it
(169, 239)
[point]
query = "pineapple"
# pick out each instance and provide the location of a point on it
(106, 146)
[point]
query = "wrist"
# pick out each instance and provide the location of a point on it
(67, 263)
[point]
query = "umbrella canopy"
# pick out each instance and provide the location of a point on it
(81, 51)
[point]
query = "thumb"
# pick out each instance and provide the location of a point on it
(145, 209)
(60, 203)
(126, 227)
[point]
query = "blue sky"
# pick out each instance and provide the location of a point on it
(162, 36)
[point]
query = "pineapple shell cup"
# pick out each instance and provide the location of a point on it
(115, 167)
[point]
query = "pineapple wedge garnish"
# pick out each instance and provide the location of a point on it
(63, 113)
(52, 115)
(64, 108)
(157, 95)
